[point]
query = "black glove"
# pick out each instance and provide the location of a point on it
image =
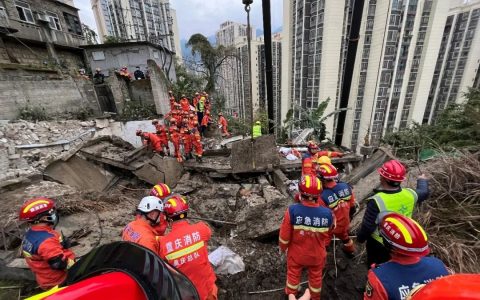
(66, 243)
(353, 210)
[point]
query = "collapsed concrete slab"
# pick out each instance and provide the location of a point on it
(161, 169)
(255, 155)
(79, 173)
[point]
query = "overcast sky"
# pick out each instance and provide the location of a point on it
(203, 16)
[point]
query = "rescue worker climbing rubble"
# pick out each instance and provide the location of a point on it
(408, 266)
(44, 249)
(339, 197)
(197, 144)
(223, 125)
(162, 133)
(175, 138)
(185, 247)
(308, 159)
(390, 197)
(184, 103)
(142, 230)
(304, 235)
(152, 141)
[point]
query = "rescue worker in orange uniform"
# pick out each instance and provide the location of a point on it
(44, 249)
(456, 286)
(142, 231)
(304, 235)
(223, 124)
(205, 122)
(151, 140)
(178, 114)
(161, 191)
(175, 138)
(338, 196)
(197, 144)
(185, 248)
(184, 103)
(308, 159)
(162, 133)
(196, 99)
(409, 266)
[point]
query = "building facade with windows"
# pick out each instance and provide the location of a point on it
(136, 20)
(314, 54)
(412, 59)
(42, 33)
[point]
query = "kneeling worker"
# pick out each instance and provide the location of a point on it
(44, 249)
(142, 230)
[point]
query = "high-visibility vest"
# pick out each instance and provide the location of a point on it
(201, 105)
(257, 131)
(402, 202)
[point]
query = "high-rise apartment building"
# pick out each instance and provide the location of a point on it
(413, 58)
(315, 34)
(136, 20)
(276, 79)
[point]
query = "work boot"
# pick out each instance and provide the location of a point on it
(349, 248)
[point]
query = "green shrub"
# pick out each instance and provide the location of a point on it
(134, 110)
(29, 113)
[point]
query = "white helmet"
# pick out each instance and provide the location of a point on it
(150, 203)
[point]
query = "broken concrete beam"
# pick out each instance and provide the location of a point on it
(79, 173)
(263, 181)
(150, 174)
(170, 167)
(280, 181)
(231, 140)
(255, 155)
(216, 152)
(368, 166)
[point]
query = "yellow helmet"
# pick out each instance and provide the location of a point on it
(324, 160)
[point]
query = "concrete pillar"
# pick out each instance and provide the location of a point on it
(159, 83)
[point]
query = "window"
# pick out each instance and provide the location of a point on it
(73, 23)
(54, 22)
(24, 12)
(98, 55)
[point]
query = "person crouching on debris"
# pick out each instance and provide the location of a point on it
(45, 250)
(185, 247)
(152, 141)
(308, 159)
(338, 196)
(161, 191)
(162, 133)
(304, 235)
(142, 231)
(390, 197)
(409, 267)
(223, 125)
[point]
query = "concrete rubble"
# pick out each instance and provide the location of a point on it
(98, 179)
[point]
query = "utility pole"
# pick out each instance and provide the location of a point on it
(267, 35)
(349, 64)
(249, 39)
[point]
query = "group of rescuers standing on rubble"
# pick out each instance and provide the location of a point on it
(184, 125)
(396, 245)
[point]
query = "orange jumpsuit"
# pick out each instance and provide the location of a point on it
(175, 139)
(339, 197)
(163, 136)
(223, 122)
(197, 143)
(308, 165)
(185, 104)
(187, 141)
(153, 141)
(41, 244)
(141, 232)
(327, 153)
(172, 103)
(185, 247)
(305, 232)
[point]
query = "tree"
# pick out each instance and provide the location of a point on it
(89, 34)
(110, 39)
(211, 57)
(302, 118)
(186, 83)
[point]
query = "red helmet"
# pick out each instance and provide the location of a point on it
(393, 170)
(34, 209)
(173, 120)
(403, 234)
(175, 206)
(327, 171)
(456, 286)
(312, 146)
(161, 191)
(139, 132)
(310, 186)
